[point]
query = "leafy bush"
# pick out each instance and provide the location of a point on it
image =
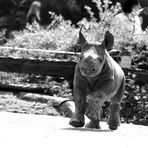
(60, 35)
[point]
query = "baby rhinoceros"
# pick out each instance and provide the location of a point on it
(98, 78)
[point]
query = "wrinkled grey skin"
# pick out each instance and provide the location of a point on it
(98, 78)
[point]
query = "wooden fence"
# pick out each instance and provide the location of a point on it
(55, 68)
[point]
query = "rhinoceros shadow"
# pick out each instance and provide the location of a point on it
(84, 129)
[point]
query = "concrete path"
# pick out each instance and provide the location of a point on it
(40, 131)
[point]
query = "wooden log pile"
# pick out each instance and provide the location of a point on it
(56, 68)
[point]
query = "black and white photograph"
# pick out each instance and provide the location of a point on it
(73, 73)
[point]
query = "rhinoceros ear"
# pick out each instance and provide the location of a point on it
(81, 40)
(108, 40)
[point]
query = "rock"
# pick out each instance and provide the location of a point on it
(65, 108)
(33, 97)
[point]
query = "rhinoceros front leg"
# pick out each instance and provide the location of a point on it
(94, 108)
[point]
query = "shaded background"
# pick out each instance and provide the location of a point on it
(13, 14)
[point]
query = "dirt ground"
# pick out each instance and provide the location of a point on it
(42, 131)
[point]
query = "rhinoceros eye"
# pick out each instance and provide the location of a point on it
(93, 69)
(100, 60)
(83, 68)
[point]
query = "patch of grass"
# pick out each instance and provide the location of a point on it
(10, 103)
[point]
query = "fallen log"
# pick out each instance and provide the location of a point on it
(52, 68)
(24, 88)
(63, 106)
